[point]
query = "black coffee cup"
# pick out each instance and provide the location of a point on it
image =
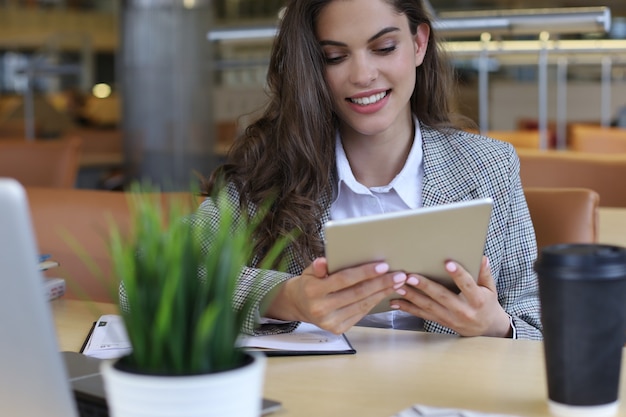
(582, 288)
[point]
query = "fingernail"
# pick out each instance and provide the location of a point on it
(394, 307)
(450, 267)
(401, 291)
(399, 278)
(381, 268)
(412, 281)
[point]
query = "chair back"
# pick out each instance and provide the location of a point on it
(603, 173)
(41, 163)
(528, 139)
(84, 217)
(597, 139)
(563, 215)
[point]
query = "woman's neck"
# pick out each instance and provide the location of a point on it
(376, 160)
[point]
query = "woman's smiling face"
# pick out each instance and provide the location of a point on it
(371, 56)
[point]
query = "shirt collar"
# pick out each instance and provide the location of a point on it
(406, 184)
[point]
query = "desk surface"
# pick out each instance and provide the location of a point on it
(391, 371)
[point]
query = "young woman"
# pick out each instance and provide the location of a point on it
(358, 110)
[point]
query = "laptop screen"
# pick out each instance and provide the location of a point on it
(33, 379)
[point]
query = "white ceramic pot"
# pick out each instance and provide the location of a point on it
(236, 392)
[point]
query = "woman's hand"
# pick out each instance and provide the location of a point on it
(475, 311)
(334, 302)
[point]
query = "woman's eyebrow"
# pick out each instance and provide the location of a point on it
(383, 32)
(373, 38)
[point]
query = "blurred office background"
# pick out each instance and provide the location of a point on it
(160, 88)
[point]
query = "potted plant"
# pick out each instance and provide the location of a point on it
(180, 318)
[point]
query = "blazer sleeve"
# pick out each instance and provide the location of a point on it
(511, 244)
(516, 280)
(253, 284)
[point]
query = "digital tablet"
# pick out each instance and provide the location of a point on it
(414, 241)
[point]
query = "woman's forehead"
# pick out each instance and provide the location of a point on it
(357, 19)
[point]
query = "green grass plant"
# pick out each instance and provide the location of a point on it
(180, 277)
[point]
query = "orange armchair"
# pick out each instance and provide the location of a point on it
(597, 139)
(563, 215)
(41, 163)
(526, 139)
(84, 216)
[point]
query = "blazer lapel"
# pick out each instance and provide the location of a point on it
(448, 170)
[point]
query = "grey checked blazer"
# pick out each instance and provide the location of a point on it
(457, 166)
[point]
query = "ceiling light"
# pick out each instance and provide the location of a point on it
(567, 20)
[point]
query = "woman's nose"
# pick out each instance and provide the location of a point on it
(362, 72)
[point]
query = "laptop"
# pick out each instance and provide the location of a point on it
(36, 379)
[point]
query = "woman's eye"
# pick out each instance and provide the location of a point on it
(334, 59)
(386, 50)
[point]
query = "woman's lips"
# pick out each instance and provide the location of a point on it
(371, 99)
(368, 104)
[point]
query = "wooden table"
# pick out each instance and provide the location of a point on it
(391, 371)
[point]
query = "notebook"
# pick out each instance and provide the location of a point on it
(37, 379)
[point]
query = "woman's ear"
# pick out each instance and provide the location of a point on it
(421, 43)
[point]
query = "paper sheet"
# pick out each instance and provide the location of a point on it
(108, 339)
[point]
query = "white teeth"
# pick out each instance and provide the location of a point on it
(364, 101)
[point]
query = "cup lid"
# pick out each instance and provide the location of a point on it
(582, 260)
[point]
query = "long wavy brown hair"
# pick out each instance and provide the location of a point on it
(288, 154)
